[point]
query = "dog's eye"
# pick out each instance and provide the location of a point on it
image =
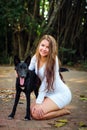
(20, 67)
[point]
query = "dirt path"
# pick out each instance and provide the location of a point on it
(77, 120)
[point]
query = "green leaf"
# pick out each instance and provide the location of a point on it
(82, 124)
(82, 97)
(60, 124)
(63, 120)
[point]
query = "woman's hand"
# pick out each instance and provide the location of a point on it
(37, 110)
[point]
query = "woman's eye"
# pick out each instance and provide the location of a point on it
(47, 47)
(42, 45)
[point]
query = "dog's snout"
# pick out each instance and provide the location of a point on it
(23, 75)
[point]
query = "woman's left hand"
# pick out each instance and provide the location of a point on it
(37, 109)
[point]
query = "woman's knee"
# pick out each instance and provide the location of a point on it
(35, 116)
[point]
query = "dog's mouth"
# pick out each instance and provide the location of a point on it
(21, 81)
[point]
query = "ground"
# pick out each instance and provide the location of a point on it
(77, 120)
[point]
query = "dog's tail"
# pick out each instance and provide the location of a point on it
(62, 69)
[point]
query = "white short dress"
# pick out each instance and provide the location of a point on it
(61, 94)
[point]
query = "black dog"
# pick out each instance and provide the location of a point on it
(27, 81)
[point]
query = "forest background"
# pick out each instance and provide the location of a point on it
(23, 22)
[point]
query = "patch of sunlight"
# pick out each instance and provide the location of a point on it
(81, 81)
(72, 106)
(9, 80)
(3, 76)
(78, 80)
(73, 79)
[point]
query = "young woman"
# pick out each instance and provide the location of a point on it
(54, 95)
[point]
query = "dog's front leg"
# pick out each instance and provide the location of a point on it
(27, 117)
(17, 97)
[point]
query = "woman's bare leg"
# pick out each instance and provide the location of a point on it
(57, 113)
(50, 110)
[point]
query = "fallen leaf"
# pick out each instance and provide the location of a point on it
(82, 124)
(82, 97)
(59, 124)
(63, 120)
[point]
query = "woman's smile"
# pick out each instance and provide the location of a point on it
(44, 48)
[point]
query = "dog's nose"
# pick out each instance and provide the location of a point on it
(23, 76)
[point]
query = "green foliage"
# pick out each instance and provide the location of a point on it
(22, 23)
(66, 55)
(4, 60)
(11, 11)
(70, 63)
(67, 50)
(84, 64)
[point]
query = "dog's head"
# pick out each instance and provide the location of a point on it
(21, 68)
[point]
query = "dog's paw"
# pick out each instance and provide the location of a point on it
(27, 119)
(10, 117)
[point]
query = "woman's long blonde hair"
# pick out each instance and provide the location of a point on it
(50, 62)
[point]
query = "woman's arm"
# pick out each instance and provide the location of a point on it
(42, 91)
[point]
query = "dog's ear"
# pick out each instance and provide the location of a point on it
(16, 60)
(27, 60)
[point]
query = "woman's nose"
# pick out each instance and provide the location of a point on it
(44, 48)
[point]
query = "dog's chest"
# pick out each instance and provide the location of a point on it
(22, 87)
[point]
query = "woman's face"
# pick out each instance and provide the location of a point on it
(44, 48)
